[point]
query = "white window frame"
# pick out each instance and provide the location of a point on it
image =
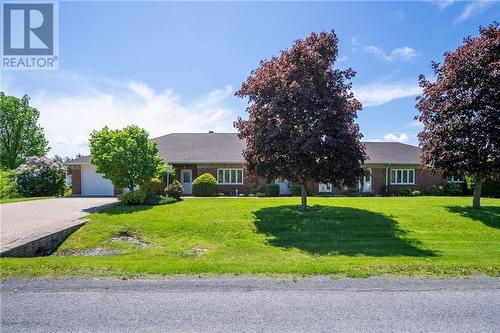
(456, 180)
(395, 182)
(325, 188)
(224, 170)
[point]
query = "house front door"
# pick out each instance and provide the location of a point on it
(285, 186)
(187, 181)
(367, 181)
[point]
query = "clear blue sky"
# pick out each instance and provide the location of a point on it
(174, 67)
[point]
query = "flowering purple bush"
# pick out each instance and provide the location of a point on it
(41, 176)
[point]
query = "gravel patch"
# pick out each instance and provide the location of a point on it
(129, 239)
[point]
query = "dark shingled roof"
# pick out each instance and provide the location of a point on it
(201, 147)
(227, 148)
(392, 152)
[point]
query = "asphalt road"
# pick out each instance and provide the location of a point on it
(248, 304)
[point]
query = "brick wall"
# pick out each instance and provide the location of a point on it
(200, 169)
(423, 178)
(378, 179)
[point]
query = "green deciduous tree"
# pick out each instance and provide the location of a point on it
(20, 134)
(126, 157)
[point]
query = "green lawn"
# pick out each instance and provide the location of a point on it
(2, 201)
(432, 236)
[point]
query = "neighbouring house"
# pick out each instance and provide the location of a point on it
(390, 166)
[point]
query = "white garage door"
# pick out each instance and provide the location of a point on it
(94, 184)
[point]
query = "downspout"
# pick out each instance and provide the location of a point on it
(387, 177)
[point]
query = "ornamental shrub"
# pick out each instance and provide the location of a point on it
(174, 190)
(296, 190)
(434, 190)
(41, 176)
(272, 190)
(403, 192)
(154, 186)
(491, 187)
(132, 198)
(352, 192)
(8, 186)
(252, 188)
(153, 200)
(205, 186)
(452, 189)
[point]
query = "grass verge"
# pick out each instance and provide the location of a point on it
(355, 237)
(2, 201)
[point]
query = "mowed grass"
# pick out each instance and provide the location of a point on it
(357, 237)
(2, 201)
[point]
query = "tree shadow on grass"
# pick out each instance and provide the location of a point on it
(488, 215)
(327, 230)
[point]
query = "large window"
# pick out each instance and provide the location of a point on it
(325, 188)
(455, 179)
(403, 176)
(230, 176)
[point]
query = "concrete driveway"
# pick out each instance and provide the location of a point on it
(22, 221)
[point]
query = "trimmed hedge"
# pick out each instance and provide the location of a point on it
(205, 186)
(141, 198)
(132, 198)
(272, 190)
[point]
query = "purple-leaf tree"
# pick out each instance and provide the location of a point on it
(460, 111)
(301, 116)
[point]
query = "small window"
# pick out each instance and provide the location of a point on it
(403, 176)
(230, 176)
(186, 176)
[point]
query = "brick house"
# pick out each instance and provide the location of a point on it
(390, 166)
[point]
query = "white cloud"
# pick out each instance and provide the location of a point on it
(442, 4)
(395, 138)
(341, 59)
(404, 53)
(381, 93)
(72, 105)
(390, 137)
(473, 8)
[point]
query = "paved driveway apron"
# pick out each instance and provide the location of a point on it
(27, 219)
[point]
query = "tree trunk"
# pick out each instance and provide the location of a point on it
(476, 199)
(303, 196)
